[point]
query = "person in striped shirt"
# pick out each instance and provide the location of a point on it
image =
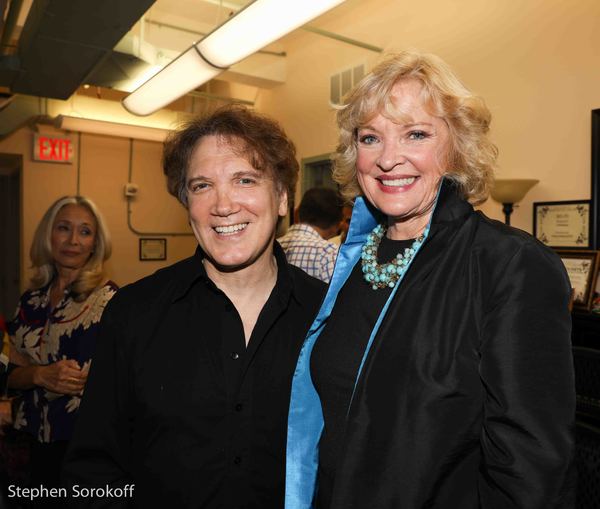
(306, 244)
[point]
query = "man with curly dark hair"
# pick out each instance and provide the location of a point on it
(188, 395)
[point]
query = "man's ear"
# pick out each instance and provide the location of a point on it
(283, 203)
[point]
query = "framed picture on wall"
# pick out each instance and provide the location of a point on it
(582, 267)
(563, 224)
(595, 244)
(596, 297)
(153, 249)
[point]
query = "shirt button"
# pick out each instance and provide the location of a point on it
(239, 407)
(237, 460)
(234, 355)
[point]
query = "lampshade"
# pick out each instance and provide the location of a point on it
(511, 190)
(88, 125)
(258, 24)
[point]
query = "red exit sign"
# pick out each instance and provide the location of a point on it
(54, 149)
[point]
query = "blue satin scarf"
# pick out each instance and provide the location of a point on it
(305, 420)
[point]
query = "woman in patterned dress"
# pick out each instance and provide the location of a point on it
(54, 330)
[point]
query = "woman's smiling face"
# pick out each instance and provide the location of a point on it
(399, 164)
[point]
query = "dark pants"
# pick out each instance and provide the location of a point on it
(45, 466)
(15, 465)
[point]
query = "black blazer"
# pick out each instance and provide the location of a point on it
(466, 399)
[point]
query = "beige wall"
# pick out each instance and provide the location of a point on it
(103, 173)
(536, 62)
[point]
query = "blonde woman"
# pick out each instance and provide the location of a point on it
(438, 373)
(54, 330)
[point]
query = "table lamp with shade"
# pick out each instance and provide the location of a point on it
(511, 191)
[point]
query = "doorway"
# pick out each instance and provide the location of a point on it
(10, 232)
(316, 172)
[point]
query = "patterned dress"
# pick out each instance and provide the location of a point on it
(45, 336)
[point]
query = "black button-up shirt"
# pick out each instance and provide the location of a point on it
(178, 405)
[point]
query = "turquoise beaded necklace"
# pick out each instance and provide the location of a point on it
(385, 275)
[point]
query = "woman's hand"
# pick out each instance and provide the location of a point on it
(63, 377)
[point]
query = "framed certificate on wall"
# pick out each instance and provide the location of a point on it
(563, 224)
(582, 267)
(153, 249)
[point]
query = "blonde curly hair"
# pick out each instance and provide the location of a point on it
(471, 157)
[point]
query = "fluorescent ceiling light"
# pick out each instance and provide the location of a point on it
(141, 78)
(187, 72)
(88, 125)
(257, 25)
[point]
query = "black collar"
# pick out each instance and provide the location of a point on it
(191, 271)
(450, 205)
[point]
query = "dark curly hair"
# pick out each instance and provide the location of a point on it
(259, 138)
